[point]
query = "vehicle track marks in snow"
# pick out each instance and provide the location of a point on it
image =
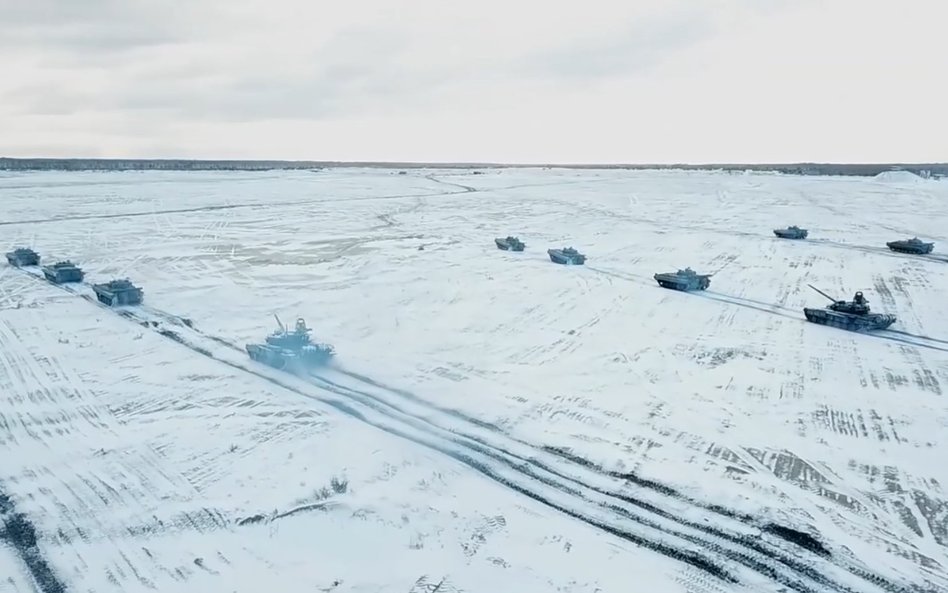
(462, 189)
(19, 533)
(661, 530)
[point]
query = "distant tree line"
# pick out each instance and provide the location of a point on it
(42, 164)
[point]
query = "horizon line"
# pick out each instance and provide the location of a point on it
(308, 162)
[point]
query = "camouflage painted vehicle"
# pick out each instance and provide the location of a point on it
(686, 280)
(791, 232)
(118, 292)
(913, 245)
(23, 256)
(509, 243)
(291, 350)
(566, 256)
(62, 272)
(851, 315)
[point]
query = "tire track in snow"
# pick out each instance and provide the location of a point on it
(49, 400)
(884, 251)
(219, 207)
(18, 532)
(463, 189)
(795, 314)
(769, 550)
(603, 519)
(17, 529)
(594, 504)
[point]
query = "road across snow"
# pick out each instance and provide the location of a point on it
(711, 428)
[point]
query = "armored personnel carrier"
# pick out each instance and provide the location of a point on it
(791, 232)
(566, 256)
(913, 245)
(23, 256)
(509, 243)
(290, 350)
(851, 315)
(686, 280)
(118, 292)
(62, 272)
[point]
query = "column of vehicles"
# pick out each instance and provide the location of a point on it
(854, 315)
(294, 349)
(282, 349)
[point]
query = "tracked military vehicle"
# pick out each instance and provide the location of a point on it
(566, 256)
(851, 315)
(791, 232)
(291, 350)
(23, 256)
(509, 243)
(62, 272)
(914, 245)
(685, 280)
(118, 292)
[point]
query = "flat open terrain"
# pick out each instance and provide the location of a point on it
(492, 421)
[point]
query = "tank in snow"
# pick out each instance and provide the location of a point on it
(791, 232)
(566, 256)
(851, 315)
(118, 292)
(913, 245)
(686, 280)
(23, 256)
(509, 243)
(62, 272)
(291, 350)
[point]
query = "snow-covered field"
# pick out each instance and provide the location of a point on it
(493, 422)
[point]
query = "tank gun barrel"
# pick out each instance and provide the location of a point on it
(279, 323)
(821, 292)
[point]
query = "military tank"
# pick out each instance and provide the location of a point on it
(566, 256)
(509, 243)
(62, 272)
(686, 280)
(851, 315)
(118, 292)
(290, 350)
(23, 256)
(791, 232)
(913, 245)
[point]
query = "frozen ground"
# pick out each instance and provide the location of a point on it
(493, 420)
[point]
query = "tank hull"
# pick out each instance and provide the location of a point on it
(915, 249)
(290, 360)
(509, 245)
(22, 259)
(566, 259)
(848, 321)
(274, 357)
(673, 282)
(118, 298)
(63, 275)
(791, 234)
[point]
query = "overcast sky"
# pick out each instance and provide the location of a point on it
(486, 80)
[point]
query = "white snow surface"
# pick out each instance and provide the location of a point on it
(898, 177)
(498, 419)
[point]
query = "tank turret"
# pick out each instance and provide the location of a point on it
(914, 245)
(686, 280)
(62, 272)
(791, 232)
(566, 256)
(851, 315)
(509, 243)
(23, 256)
(291, 350)
(118, 292)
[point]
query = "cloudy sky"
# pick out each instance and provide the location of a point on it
(489, 80)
